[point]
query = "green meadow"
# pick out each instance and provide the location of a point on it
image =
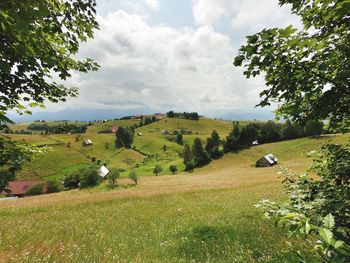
(207, 215)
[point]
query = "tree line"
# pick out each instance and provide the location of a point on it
(183, 115)
(242, 137)
(57, 129)
(266, 132)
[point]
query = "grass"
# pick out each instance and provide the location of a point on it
(205, 226)
(204, 216)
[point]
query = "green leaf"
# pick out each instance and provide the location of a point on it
(328, 221)
(326, 235)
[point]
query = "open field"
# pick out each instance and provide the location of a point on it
(204, 216)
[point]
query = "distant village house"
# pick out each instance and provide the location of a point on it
(103, 171)
(19, 188)
(266, 161)
(137, 117)
(159, 116)
(87, 142)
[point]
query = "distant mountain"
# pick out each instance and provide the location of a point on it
(78, 114)
(99, 114)
(251, 115)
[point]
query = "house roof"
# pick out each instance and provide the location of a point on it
(88, 141)
(271, 158)
(103, 171)
(21, 187)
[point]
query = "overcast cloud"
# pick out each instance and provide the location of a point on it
(150, 62)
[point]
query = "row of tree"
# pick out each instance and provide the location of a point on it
(270, 131)
(57, 129)
(183, 115)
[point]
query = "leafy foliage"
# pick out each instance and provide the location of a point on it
(124, 137)
(307, 71)
(37, 189)
(38, 38)
(53, 187)
(12, 157)
(113, 175)
(320, 206)
(173, 169)
(83, 178)
(157, 169)
(133, 176)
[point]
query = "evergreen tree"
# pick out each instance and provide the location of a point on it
(124, 137)
(188, 157)
(200, 156)
(179, 138)
(289, 131)
(314, 128)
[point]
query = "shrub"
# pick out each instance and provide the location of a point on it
(53, 187)
(179, 138)
(37, 189)
(89, 178)
(157, 169)
(72, 181)
(112, 176)
(133, 176)
(318, 209)
(173, 169)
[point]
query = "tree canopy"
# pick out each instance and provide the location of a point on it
(306, 71)
(38, 40)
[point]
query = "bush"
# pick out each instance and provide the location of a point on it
(112, 176)
(72, 181)
(37, 189)
(89, 178)
(173, 169)
(53, 187)
(157, 170)
(133, 176)
(318, 209)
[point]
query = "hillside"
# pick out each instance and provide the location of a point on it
(207, 215)
(63, 159)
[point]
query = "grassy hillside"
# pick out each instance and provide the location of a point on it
(63, 159)
(204, 216)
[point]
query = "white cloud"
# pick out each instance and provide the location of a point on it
(158, 67)
(251, 15)
(153, 4)
(154, 66)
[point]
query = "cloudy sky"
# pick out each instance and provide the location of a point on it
(160, 55)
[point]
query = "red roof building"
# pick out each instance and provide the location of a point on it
(19, 188)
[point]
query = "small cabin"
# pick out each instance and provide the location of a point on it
(254, 143)
(139, 134)
(103, 171)
(266, 161)
(87, 142)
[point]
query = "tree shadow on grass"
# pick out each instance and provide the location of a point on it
(225, 244)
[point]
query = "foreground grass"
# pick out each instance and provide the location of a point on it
(202, 226)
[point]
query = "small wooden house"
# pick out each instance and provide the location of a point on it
(103, 171)
(87, 142)
(266, 161)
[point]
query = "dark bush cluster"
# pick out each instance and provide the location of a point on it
(183, 115)
(266, 132)
(57, 129)
(83, 178)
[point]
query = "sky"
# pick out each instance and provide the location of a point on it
(161, 55)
